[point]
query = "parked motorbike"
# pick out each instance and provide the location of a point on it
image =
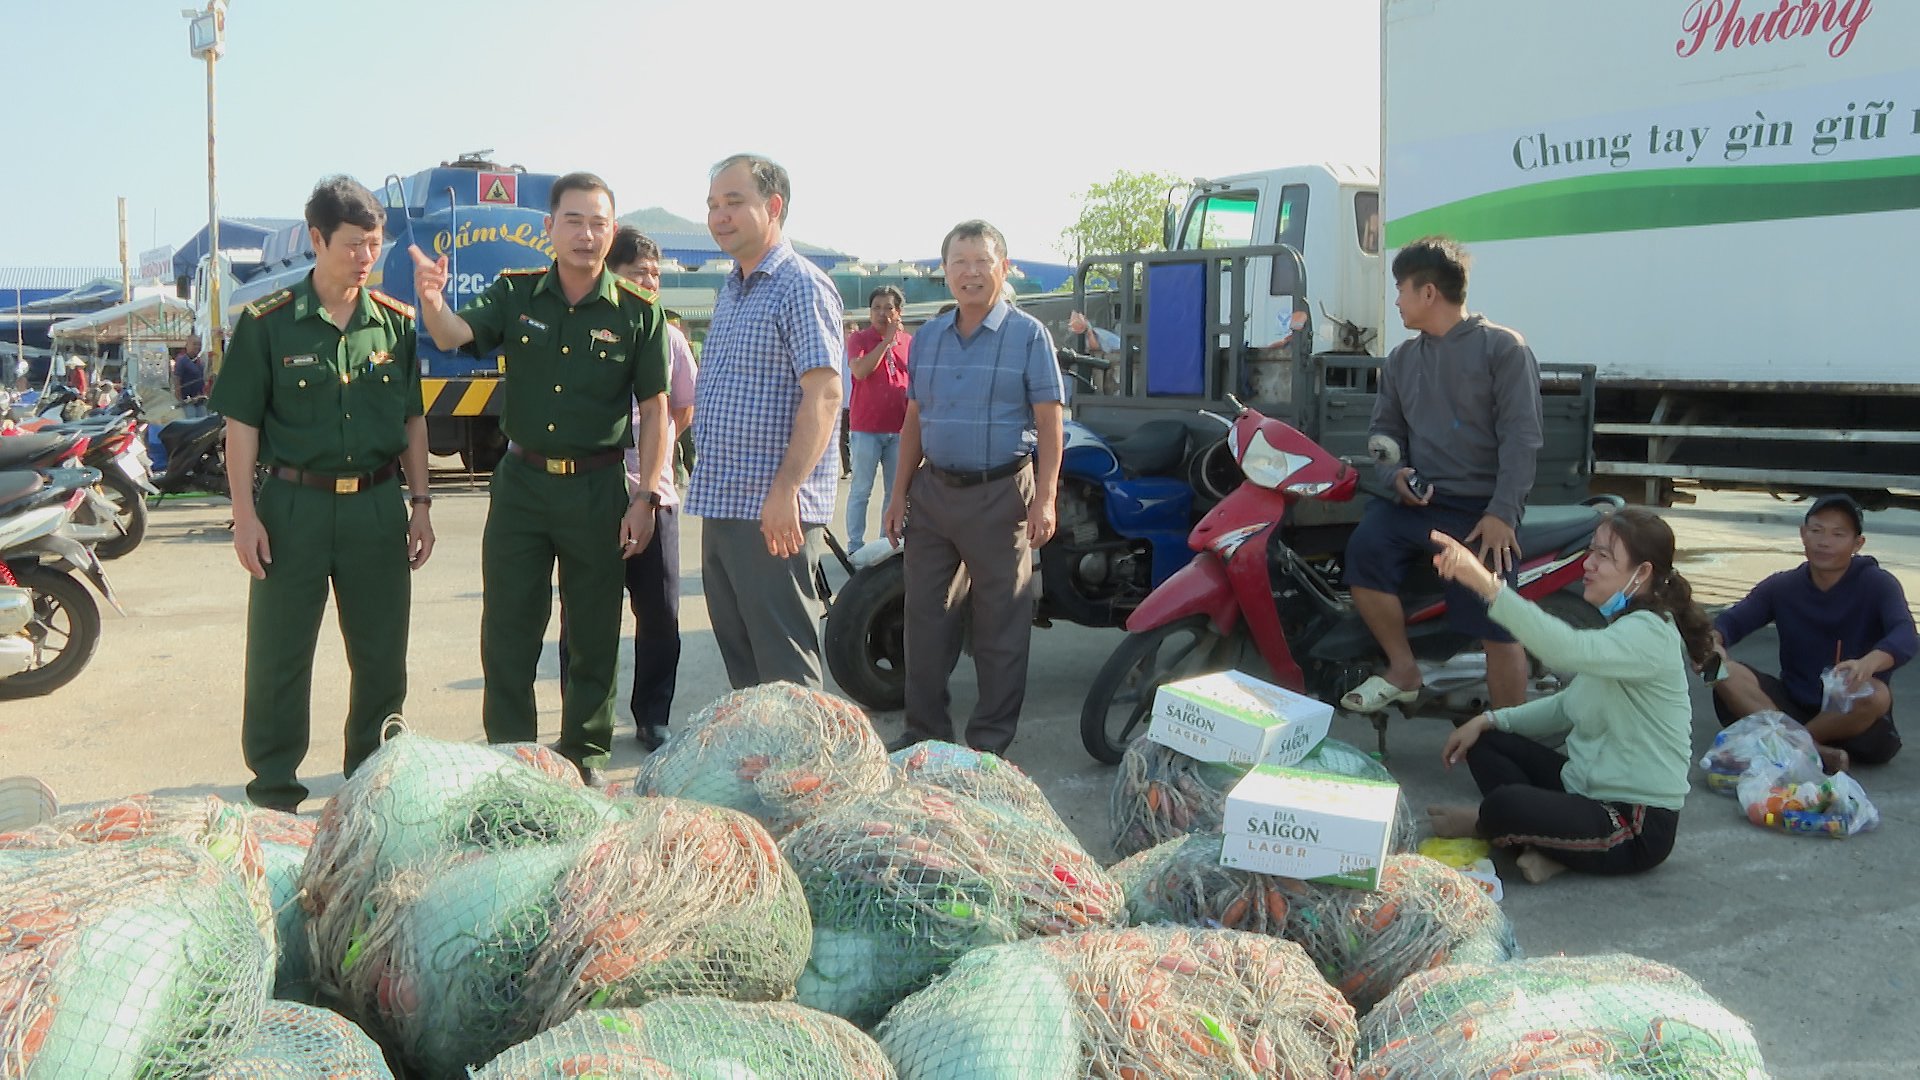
(191, 455)
(117, 448)
(40, 555)
(1124, 507)
(1258, 577)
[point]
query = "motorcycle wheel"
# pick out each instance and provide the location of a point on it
(130, 506)
(65, 627)
(1121, 699)
(866, 635)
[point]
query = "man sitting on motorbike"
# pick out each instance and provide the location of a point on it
(1463, 400)
(1610, 804)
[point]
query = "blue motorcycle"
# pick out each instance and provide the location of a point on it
(1125, 508)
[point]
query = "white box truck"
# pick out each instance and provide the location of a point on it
(1711, 203)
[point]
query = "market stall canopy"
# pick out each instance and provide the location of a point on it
(89, 296)
(153, 318)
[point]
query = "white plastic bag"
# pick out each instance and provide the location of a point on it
(1833, 806)
(1769, 738)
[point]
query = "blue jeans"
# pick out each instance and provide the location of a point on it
(870, 449)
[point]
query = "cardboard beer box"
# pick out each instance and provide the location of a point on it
(1329, 829)
(1235, 718)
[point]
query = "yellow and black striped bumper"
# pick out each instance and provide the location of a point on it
(461, 397)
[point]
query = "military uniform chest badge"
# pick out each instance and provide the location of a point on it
(379, 358)
(606, 337)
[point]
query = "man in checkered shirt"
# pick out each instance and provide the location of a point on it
(766, 418)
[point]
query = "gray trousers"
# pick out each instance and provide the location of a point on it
(968, 543)
(764, 610)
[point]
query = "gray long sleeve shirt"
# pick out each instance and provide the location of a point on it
(1465, 409)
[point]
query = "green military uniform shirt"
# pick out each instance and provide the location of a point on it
(572, 370)
(324, 399)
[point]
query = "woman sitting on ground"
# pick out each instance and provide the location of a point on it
(1611, 803)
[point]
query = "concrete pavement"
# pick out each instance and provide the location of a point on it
(1812, 940)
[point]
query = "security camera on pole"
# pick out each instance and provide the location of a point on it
(207, 39)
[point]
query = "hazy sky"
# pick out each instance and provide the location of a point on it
(895, 120)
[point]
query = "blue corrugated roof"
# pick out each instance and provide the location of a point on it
(50, 280)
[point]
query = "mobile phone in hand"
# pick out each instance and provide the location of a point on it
(1713, 670)
(1418, 485)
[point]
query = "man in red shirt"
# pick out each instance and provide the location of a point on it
(877, 360)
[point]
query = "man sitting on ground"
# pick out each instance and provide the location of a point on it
(1838, 601)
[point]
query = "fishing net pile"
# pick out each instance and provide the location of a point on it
(1161, 793)
(230, 832)
(704, 1038)
(902, 884)
(1364, 942)
(1557, 1016)
(300, 1042)
(418, 802)
(464, 958)
(1158, 1003)
(779, 752)
(141, 958)
(285, 840)
(978, 774)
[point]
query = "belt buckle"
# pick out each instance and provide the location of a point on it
(346, 485)
(559, 467)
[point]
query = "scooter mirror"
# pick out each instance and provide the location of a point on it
(1385, 449)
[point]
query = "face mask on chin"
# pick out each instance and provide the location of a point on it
(1617, 603)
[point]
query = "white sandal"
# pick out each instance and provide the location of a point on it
(1374, 695)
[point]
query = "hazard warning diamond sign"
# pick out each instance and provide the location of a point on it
(499, 187)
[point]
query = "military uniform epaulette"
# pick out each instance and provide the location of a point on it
(270, 302)
(525, 271)
(629, 287)
(390, 303)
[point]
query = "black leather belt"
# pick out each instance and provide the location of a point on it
(339, 485)
(567, 466)
(959, 478)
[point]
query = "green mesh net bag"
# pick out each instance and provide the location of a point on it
(978, 774)
(697, 1038)
(1599, 1016)
(1423, 915)
(133, 959)
(471, 956)
(1161, 793)
(417, 802)
(285, 840)
(227, 831)
(1159, 1003)
(300, 1042)
(779, 752)
(902, 884)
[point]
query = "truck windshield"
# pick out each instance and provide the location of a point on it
(1220, 219)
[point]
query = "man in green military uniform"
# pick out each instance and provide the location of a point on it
(580, 345)
(320, 383)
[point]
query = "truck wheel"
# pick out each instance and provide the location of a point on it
(130, 510)
(1121, 699)
(866, 633)
(65, 631)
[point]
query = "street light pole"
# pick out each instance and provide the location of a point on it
(207, 39)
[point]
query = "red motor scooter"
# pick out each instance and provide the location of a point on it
(1260, 576)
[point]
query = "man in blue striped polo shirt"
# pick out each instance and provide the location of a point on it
(979, 468)
(766, 410)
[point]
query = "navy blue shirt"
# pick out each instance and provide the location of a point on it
(192, 375)
(1865, 610)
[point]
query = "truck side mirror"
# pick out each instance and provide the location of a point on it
(1286, 278)
(1166, 228)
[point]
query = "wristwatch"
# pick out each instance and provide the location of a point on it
(653, 499)
(420, 500)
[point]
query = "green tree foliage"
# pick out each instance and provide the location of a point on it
(1121, 214)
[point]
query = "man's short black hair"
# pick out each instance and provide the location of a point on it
(899, 298)
(1845, 504)
(630, 246)
(1438, 261)
(974, 229)
(577, 181)
(342, 200)
(769, 178)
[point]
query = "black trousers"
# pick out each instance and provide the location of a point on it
(653, 591)
(1525, 804)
